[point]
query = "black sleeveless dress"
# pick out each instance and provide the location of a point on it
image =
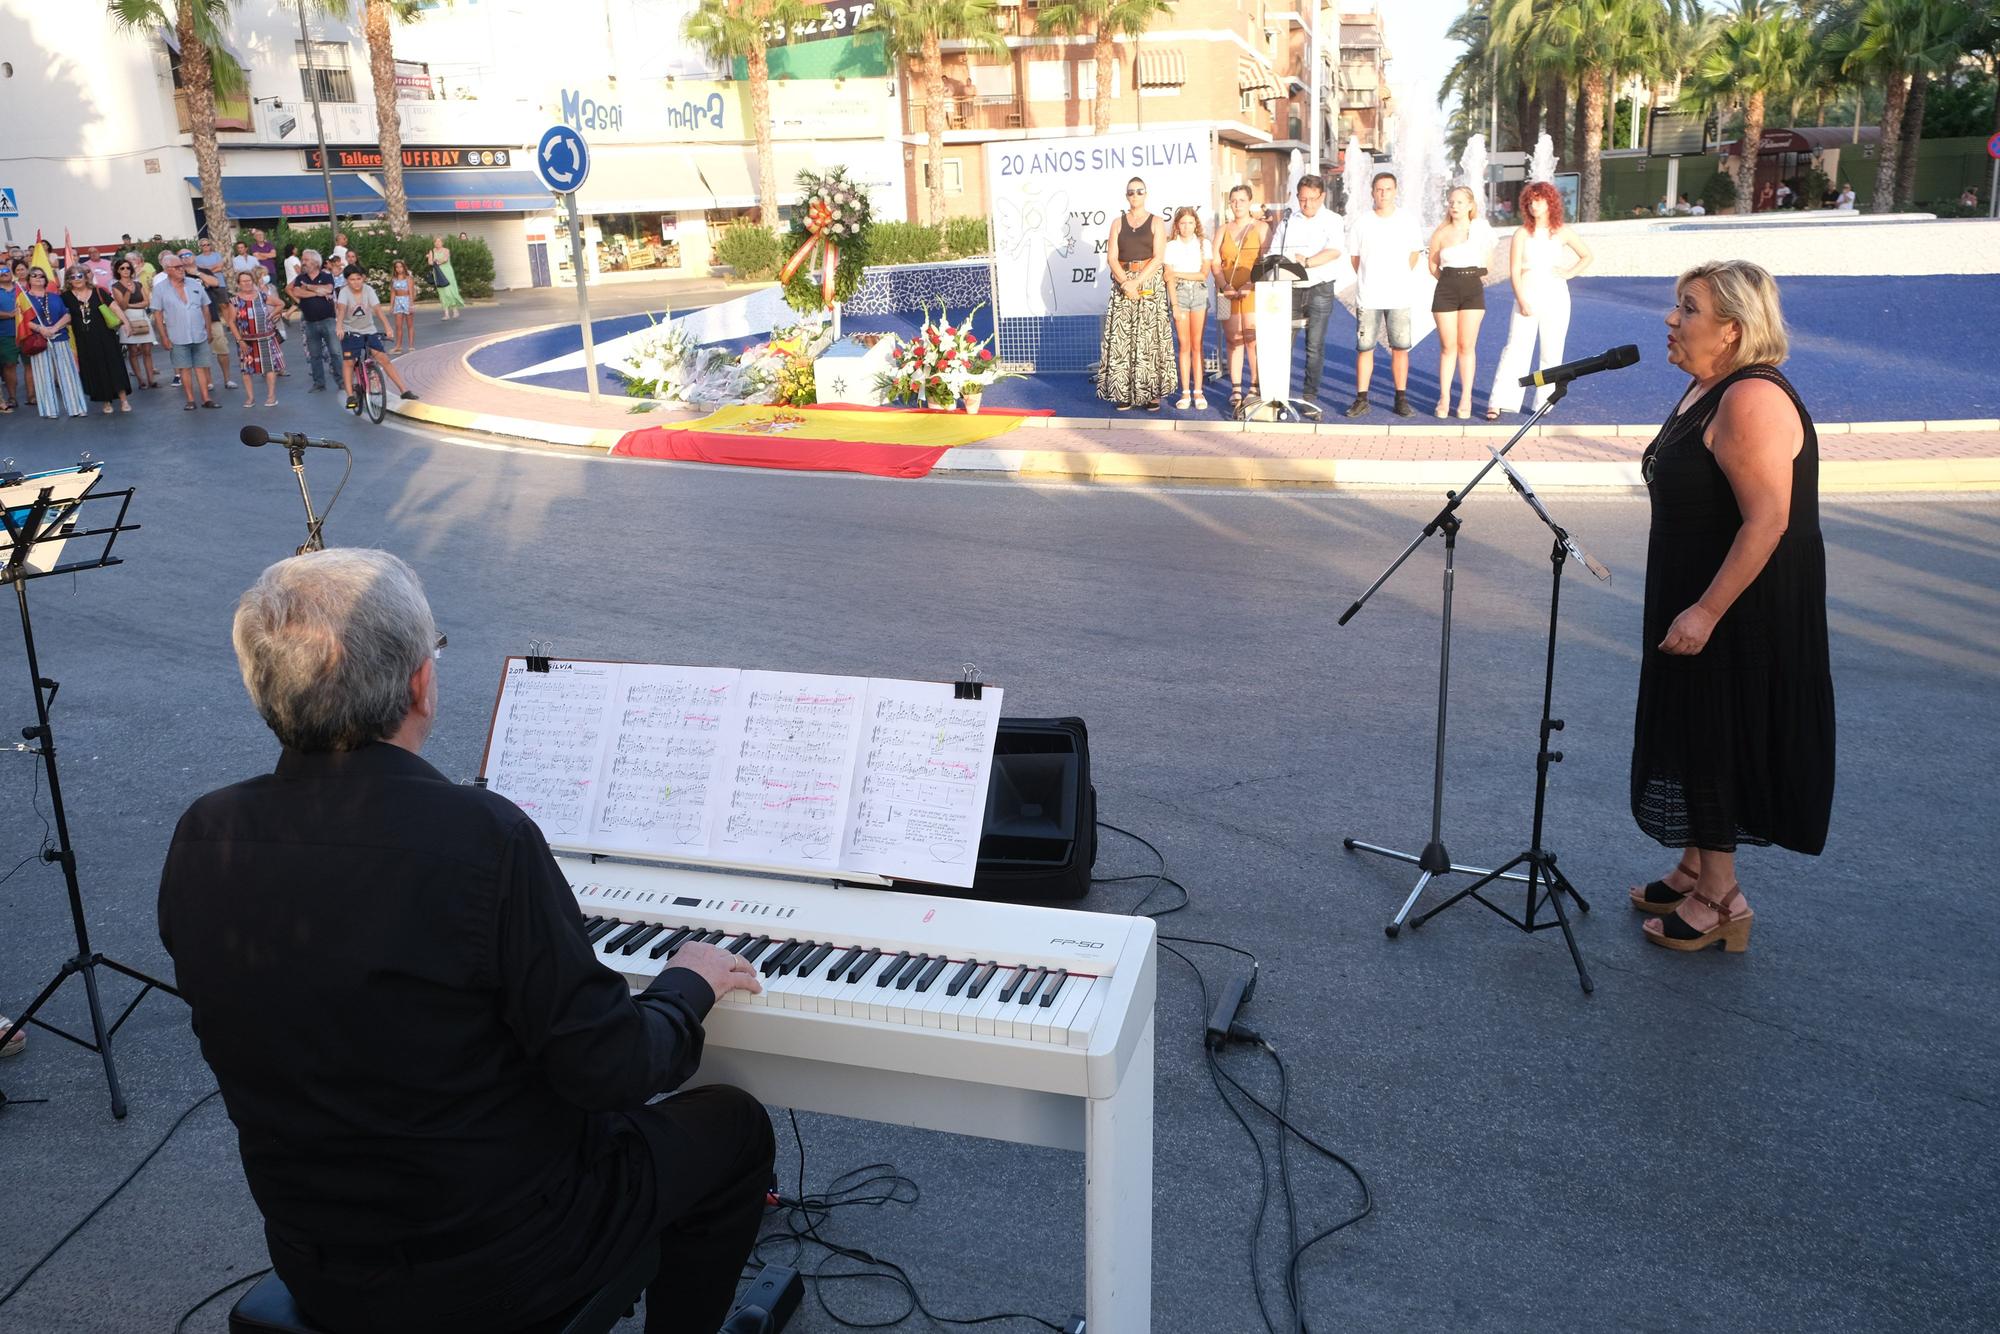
(1734, 744)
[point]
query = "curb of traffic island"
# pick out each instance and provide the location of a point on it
(1838, 476)
(514, 428)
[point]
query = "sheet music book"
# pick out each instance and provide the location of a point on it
(825, 774)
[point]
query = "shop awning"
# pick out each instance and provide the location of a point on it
(476, 192)
(1253, 78)
(1162, 68)
(296, 196)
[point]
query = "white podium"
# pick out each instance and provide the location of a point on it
(1275, 328)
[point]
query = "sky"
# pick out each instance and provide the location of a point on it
(1416, 33)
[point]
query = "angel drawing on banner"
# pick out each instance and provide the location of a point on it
(1034, 239)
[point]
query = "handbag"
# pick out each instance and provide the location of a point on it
(32, 342)
(437, 276)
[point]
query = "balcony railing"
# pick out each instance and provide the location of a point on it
(989, 112)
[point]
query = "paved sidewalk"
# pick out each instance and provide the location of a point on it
(1878, 456)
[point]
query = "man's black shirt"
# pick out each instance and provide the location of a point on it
(389, 977)
(314, 293)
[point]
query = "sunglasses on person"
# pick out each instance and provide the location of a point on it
(1135, 194)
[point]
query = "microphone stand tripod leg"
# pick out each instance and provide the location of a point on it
(313, 540)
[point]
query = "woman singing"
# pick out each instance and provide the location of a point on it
(1135, 358)
(1734, 738)
(1238, 248)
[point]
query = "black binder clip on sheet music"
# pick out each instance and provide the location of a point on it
(847, 778)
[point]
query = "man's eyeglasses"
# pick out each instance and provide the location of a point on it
(437, 650)
(1135, 194)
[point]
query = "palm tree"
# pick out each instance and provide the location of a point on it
(735, 29)
(1894, 40)
(376, 17)
(917, 29)
(1104, 21)
(197, 26)
(1591, 42)
(1759, 54)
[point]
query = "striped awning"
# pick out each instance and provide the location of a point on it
(1162, 69)
(1255, 78)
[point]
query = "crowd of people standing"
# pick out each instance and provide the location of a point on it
(1164, 272)
(96, 326)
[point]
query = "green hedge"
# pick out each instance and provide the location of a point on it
(1719, 193)
(756, 253)
(375, 250)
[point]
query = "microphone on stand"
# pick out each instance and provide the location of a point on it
(1571, 370)
(257, 437)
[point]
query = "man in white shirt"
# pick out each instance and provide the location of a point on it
(1386, 248)
(1846, 201)
(1310, 235)
(1698, 210)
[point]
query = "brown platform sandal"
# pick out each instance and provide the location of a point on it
(1658, 897)
(1731, 929)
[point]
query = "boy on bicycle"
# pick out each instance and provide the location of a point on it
(355, 306)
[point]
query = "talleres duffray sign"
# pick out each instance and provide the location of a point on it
(1054, 202)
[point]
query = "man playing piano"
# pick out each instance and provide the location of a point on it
(440, 1095)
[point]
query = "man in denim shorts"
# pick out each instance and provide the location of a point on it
(1386, 247)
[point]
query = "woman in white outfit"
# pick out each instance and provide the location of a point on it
(1541, 295)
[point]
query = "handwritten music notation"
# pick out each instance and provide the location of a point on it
(751, 767)
(921, 791)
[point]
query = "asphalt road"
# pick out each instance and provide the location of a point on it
(1797, 1138)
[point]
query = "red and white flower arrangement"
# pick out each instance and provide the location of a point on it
(943, 363)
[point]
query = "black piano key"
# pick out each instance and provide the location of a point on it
(652, 929)
(911, 971)
(930, 973)
(616, 942)
(590, 922)
(1013, 983)
(888, 974)
(755, 949)
(961, 977)
(605, 926)
(670, 944)
(714, 937)
(814, 959)
(980, 979)
(1056, 980)
(862, 965)
(1031, 986)
(842, 964)
(737, 944)
(769, 967)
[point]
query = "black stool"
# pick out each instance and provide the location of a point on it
(267, 1308)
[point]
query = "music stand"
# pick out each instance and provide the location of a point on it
(1435, 861)
(40, 515)
(1546, 882)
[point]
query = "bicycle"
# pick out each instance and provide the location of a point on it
(371, 387)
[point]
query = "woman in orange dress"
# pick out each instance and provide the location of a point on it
(1236, 253)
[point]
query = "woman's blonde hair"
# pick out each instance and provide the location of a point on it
(1187, 211)
(1747, 295)
(1471, 198)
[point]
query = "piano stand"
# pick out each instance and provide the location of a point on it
(1118, 1201)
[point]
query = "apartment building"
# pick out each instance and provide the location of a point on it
(1362, 98)
(1236, 70)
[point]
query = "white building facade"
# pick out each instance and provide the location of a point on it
(94, 140)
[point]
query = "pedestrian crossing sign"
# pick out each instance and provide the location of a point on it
(9, 208)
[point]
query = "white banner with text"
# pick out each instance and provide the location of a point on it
(1054, 202)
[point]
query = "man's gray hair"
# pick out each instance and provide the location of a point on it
(328, 642)
(309, 254)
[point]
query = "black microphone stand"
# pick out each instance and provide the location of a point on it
(1546, 882)
(315, 523)
(1434, 861)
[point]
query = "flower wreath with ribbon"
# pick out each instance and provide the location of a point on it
(830, 223)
